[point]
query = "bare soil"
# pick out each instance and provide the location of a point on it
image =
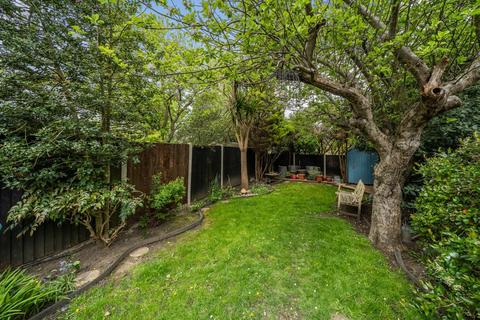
(95, 257)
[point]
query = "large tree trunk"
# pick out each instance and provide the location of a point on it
(390, 173)
(243, 167)
(386, 211)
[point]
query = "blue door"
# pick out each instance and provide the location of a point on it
(360, 165)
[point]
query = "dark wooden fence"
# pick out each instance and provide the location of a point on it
(48, 239)
(207, 166)
(172, 160)
(332, 161)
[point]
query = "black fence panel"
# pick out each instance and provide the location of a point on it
(49, 238)
(309, 160)
(333, 165)
(284, 159)
(302, 160)
(231, 166)
(251, 163)
(206, 166)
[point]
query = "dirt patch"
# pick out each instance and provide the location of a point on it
(95, 257)
(338, 316)
(409, 253)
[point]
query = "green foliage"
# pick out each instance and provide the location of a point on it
(79, 204)
(260, 188)
(217, 193)
(441, 134)
(165, 197)
(197, 205)
(448, 221)
(22, 295)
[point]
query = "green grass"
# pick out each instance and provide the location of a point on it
(267, 257)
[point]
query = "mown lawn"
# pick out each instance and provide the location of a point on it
(268, 257)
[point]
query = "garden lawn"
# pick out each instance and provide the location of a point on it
(268, 257)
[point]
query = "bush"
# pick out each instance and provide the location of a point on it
(259, 189)
(448, 221)
(197, 205)
(218, 193)
(92, 205)
(22, 295)
(166, 197)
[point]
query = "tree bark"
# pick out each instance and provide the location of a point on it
(390, 174)
(386, 211)
(243, 167)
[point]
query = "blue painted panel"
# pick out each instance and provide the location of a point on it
(360, 165)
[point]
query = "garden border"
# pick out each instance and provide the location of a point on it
(50, 310)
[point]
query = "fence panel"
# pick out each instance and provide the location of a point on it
(169, 159)
(206, 166)
(49, 238)
(231, 166)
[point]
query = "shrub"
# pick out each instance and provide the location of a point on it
(166, 197)
(218, 193)
(92, 205)
(448, 221)
(260, 188)
(22, 295)
(197, 205)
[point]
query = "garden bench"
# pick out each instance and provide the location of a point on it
(353, 199)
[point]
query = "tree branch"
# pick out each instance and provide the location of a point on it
(405, 55)
(468, 78)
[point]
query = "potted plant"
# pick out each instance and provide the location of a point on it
(301, 176)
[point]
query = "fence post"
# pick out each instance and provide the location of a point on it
(189, 182)
(324, 164)
(221, 165)
(124, 173)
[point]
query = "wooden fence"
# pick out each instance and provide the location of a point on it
(199, 164)
(49, 238)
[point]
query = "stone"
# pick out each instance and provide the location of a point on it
(139, 252)
(86, 277)
(243, 191)
(338, 316)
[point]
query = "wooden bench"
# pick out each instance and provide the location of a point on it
(353, 199)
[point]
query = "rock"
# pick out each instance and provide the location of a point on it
(205, 209)
(139, 252)
(244, 191)
(86, 277)
(338, 316)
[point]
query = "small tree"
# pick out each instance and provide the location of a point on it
(242, 112)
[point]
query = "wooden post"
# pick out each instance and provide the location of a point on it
(221, 165)
(189, 182)
(124, 173)
(324, 164)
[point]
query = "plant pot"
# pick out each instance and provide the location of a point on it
(329, 179)
(293, 177)
(319, 178)
(301, 176)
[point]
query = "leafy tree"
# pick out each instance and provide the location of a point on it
(207, 122)
(269, 136)
(443, 133)
(447, 219)
(71, 74)
(393, 66)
